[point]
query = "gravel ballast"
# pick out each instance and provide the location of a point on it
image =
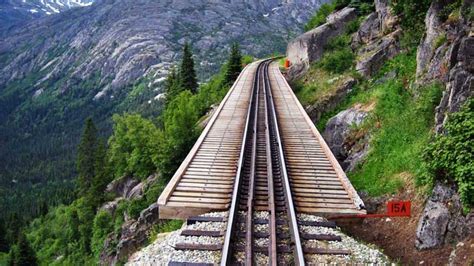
(162, 251)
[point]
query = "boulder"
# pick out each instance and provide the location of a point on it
(111, 206)
(371, 57)
(369, 30)
(338, 132)
(376, 41)
(138, 190)
(122, 186)
(327, 104)
(387, 21)
(309, 47)
(134, 234)
(460, 85)
(442, 220)
(434, 31)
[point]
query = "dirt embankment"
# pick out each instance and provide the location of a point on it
(396, 235)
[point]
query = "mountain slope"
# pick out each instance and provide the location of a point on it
(112, 57)
(14, 12)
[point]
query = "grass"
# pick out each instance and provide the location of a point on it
(399, 125)
(164, 226)
(317, 85)
(3, 258)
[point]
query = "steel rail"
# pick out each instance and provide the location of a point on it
(272, 247)
(226, 248)
(251, 189)
(298, 248)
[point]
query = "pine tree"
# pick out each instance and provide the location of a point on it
(3, 239)
(102, 175)
(22, 254)
(86, 157)
(172, 85)
(43, 208)
(187, 74)
(234, 66)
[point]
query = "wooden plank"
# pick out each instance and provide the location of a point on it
(321, 237)
(189, 232)
(192, 246)
(344, 180)
(328, 211)
(193, 220)
(203, 189)
(177, 176)
(319, 224)
(200, 200)
(179, 263)
(191, 205)
(321, 251)
(186, 184)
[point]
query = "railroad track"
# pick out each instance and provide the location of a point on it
(263, 226)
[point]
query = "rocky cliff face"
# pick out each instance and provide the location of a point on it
(377, 39)
(59, 69)
(309, 47)
(446, 55)
(14, 12)
(123, 40)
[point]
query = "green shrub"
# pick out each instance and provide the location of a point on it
(132, 146)
(412, 15)
(440, 40)
(338, 42)
(450, 157)
(320, 17)
(103, 226)
(449, 9)
(337, 61)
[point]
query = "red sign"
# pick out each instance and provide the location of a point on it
(394, 209)
(399, 208)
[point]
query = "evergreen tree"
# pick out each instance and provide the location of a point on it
(86, 157)
(102, 176)
(234, 66)
(187, 73)
(43, 208)
(22, 254)
(3, 239)
(172, 85)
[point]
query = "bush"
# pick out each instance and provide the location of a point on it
(337, 61)
(412, 15)
(450, 157)
(320, 17)
(440, 40)
(103, 225)
(133, 145)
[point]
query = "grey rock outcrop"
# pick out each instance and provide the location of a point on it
(122, 186)
(134, 234)
(329, 103)
(338, 135)
(309, 47)
(446, 55)
(442, 220)
(460, 85)
(377, 39)
(126, 188)
(371, 58)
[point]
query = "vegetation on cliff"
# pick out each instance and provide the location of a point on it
(401, 113)
(74, 234)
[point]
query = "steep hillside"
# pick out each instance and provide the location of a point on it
(390, 86)
(106, 58)
(16, 13)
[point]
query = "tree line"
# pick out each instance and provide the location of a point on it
(137, 147)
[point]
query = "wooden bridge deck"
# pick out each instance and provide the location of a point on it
(205, 180)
